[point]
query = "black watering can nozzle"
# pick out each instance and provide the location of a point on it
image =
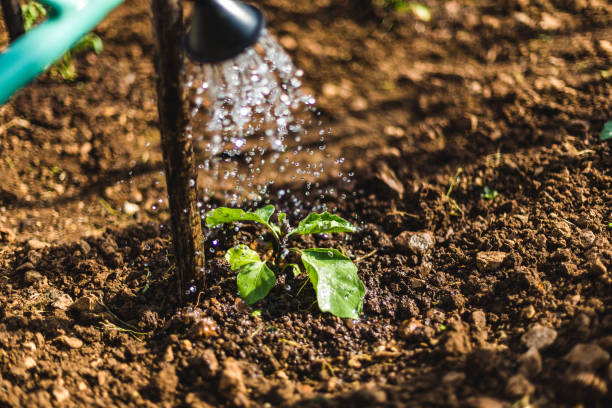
(222, 29)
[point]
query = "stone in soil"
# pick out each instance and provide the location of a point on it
(205, 327)
(36, 244)
(415, 330)
(29, 363)
(518, 386)
(63, 302)
(32, 277)
(587, 357)
(60, 393)
(539, 337)
(71, 342)
(530, 363)
(457, 342)
(479, 319)
(417, 243)
(87, 303)
(490, 261)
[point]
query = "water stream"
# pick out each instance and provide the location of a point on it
(256, 133)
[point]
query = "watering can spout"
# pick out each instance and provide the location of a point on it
(222, 29)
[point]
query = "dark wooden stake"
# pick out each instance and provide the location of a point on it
(177, 148)
(12, 16)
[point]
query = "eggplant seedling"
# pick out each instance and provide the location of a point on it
(333, 276)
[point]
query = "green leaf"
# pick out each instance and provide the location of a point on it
(241, 255)
(323, 223)
(488, 194)
(606, 133)
(224, 215)
(31, 12)
(295, 269)
(89, 41)
(334, 278)
(255, 279)
(281, 218)
(265, 213)
(275, 228)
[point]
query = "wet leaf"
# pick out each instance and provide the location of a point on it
(265, 213)
(255, 279)
(275, 228)
(606, 133)
(334, 278)
(224, 215)
(240, 255)
(323, 223)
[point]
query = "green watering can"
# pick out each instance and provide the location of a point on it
(39, 48)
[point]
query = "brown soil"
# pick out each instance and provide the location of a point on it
(510, 305)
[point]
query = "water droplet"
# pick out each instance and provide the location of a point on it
(255, 100)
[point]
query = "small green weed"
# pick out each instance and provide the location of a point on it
(65, 66)
(488, 194)
(32, 12)
(333, 275)
(606, 132)
(419, 10)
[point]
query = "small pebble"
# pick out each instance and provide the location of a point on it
(490, 261)
(60, 393)
(63, 302)
(36, 244)
(418, 243)
(130, 208)
(415, 330)
(518, 386)
(530, 363)
(539, 337)
(29, 363)
(32, 277)
(479, 319)
(87, 303)
(71, 342)
(587, 356)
